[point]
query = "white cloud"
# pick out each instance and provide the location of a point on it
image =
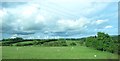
(39, 19)
(100, 21)
(30, 17)
(46, 18)
(28, 10)
(14, 36)
(73, 24)
(2, 12)
(109, 26)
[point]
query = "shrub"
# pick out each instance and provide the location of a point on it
(0, 43)
(24, 44)
(63, 43)
(73, 44)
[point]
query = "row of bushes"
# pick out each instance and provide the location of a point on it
(52, 43)
(45, 42)
(10, 42)
(55, 43)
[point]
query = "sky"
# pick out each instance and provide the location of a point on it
(57, 19)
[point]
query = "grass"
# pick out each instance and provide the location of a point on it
(0, 52)
(69, 52)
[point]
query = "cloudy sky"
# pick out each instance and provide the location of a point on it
(57, 18)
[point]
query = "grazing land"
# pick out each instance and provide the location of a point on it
(68, 52)
(0, 52)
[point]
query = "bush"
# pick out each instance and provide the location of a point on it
(19, 44)
(24, 44)
(63, 43)
(0, 43)
(81, 42)
(73, 44)
(55, 43)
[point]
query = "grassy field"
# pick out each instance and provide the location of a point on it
(0, 52)
(39, 52)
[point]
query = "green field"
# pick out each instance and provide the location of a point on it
(0, 52)
(40, 52)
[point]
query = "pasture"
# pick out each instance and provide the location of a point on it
(41, 52)
(0, 52)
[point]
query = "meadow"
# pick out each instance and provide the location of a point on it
(0, 52)
(64, 52)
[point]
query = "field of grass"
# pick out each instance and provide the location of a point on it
(68, 52)
(0, 52)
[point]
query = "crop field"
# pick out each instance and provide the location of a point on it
(66, 52)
